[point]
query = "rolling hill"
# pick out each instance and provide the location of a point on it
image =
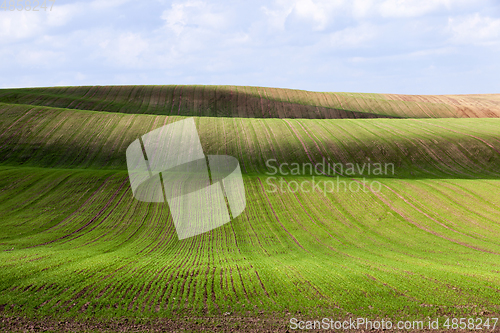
(75, 244)
(254, 102)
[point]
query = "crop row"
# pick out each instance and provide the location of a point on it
(103, 253)
(253, 102)
(61, 138)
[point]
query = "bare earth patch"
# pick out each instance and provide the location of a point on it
(227, 323)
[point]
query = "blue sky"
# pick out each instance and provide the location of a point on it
(386, 46)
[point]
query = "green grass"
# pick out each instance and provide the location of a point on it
(431, 148)
(74, 242)
(73, 246)
(253, 102)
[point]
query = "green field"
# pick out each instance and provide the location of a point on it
(75, 243)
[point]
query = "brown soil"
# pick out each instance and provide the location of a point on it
(188, 324)
(228, 323)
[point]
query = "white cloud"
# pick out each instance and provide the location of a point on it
(100, 4)
(309, 44)
(418, 8)
(474, 29)
(411, 8)
(193, 14)
(18, 25)
(63, 14)
(408, 56)
(320, 12)
(362, 8)
(323, 12)
(119, 49)
(353, 37)
(276, 18)
(40, 57)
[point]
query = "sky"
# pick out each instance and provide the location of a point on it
(374, 46)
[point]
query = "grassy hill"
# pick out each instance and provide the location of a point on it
(254, 102)
(74, 242)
